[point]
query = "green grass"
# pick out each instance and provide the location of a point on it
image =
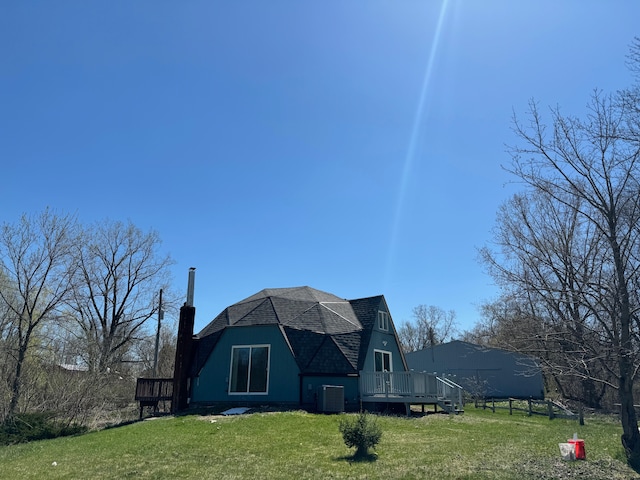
(298, 445)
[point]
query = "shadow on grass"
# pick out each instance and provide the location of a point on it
(358, 458)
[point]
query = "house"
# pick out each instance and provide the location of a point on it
(286, 346)
(295, 347)
(482, 371)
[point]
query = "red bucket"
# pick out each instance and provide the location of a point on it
(579, 446)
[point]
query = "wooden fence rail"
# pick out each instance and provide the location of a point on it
(551, 410)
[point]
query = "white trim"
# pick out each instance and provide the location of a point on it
(383, 352)
(250, 347)
(383, 382)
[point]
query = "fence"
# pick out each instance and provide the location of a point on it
(549, 408)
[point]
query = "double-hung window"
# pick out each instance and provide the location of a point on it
(249, 370)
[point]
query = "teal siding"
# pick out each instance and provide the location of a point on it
(384, 340)
(212, 383)
(312, 384)
(285, 384)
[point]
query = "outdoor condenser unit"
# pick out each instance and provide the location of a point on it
(331, 399)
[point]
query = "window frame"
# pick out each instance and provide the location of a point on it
(383, 353)
(249, 372)
(383, 320)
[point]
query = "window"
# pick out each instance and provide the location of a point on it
(382, 361)
(382, 365)
(249, 369)
(383, 320)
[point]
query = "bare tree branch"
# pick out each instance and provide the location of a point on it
(120, 273)
(37, 265)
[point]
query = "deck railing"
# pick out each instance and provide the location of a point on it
(154, 389)
(151, 391)
(409, 387)
(450, 390)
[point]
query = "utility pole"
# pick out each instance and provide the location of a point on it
(155, 358)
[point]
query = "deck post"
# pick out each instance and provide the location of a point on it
(387, 384)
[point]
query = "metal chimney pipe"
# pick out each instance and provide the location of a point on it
(191, 286)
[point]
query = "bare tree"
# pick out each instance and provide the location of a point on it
(7, 343)
(120, 274)
(570, 247)
(431, 325)
(633, 58)
(37, 265)
(145, 351)
(499, 326)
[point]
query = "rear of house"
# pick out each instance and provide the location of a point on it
(290, 347)
(296, 347)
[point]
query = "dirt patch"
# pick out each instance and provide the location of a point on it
(584, 470)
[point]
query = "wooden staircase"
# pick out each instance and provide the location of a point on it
(450, 406)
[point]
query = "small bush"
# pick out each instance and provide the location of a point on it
(26, 427)
(361, 432)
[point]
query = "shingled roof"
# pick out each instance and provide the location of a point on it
(326, 333)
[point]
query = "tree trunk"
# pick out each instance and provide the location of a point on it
(630, 435)
(589, 396)
(17, 381)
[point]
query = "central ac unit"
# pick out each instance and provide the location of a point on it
(331, 399)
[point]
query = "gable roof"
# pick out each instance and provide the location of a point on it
(327, 334)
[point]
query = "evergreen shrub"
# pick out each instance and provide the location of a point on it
(361, 432)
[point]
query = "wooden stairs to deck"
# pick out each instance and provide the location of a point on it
(450, 407)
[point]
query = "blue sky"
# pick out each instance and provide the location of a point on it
(352, 146)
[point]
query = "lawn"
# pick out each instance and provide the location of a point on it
(298, 445)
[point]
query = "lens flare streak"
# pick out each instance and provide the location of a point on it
(413, 140)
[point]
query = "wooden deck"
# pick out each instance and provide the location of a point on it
(411, 388)
(151, 391)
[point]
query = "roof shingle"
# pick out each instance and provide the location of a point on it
(328, 334)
